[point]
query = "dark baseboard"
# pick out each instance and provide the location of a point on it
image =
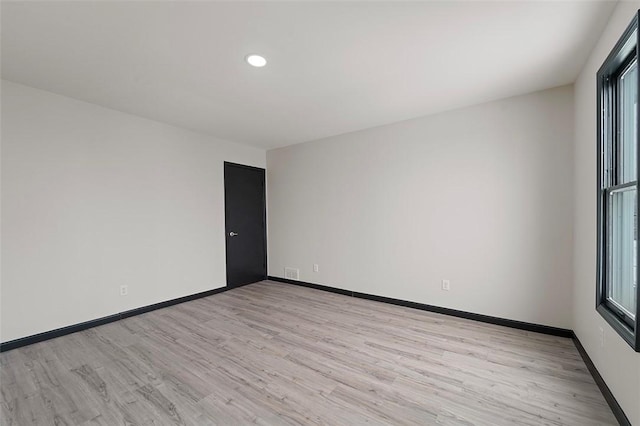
(17, 343)
(554, 331)
(606, 392)
(312, 285)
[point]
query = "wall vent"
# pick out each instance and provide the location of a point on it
(292, 273)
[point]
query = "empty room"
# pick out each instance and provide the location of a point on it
(319, 213)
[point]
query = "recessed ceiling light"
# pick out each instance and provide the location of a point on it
(256, 60)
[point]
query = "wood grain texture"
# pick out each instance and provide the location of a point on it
(273, 353)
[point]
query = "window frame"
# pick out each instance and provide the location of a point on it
(621, 57)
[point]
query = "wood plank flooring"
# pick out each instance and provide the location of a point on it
(272, 353)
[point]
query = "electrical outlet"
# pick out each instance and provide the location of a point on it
(446, 285)
(124, 290)
(316, 268)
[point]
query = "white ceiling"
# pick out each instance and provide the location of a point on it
(333, 67)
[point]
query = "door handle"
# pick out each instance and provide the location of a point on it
(233, 234)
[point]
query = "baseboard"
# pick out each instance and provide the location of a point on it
(545, 329)
(17, 343)
(606, 392)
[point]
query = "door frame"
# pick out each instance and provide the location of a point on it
(263, 171)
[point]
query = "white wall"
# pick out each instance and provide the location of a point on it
(616, 362)
(92, 199)
(480, 196)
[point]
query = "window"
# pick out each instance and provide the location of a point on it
(617, 289)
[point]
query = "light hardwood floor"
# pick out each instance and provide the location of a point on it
(272, 353)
